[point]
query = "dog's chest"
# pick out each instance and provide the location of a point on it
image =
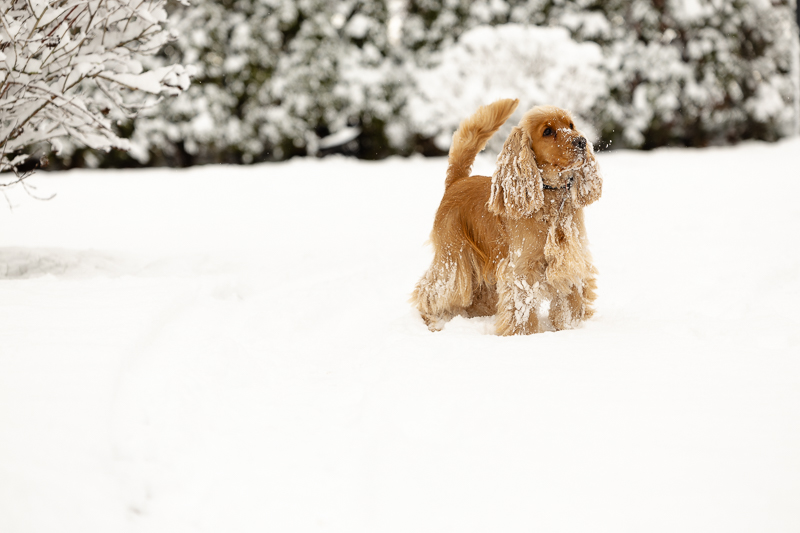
(567, 260)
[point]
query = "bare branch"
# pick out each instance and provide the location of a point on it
(72, 72)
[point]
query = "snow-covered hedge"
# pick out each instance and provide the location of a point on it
(540, 66)
(697, 73)
(692, 72)
(71, 69)
(278, 78)
(275, 78)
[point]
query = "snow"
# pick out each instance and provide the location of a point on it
(339, 138)
(796, 82)
(358, 26)
(231, 349)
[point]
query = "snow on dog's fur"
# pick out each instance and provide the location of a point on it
(505, 244)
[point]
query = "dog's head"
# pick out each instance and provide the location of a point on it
(544, 151)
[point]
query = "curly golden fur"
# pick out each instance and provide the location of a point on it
(506, 244)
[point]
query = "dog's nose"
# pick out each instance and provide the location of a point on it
(579, 143)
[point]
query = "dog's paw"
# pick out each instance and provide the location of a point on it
(435, 323)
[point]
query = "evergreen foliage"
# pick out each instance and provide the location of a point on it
(686, 72)
(275, 78)
(280, 78)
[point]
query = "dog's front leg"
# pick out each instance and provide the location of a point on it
(519, 296)
(567, 310)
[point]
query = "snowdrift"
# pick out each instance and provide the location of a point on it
(231, 349)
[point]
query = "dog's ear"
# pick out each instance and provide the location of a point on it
(517, 182)
(588, 184)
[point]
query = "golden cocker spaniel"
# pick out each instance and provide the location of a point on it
(506, 244)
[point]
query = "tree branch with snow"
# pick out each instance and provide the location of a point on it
(71, 68)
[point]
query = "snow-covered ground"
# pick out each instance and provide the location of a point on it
(228, 349)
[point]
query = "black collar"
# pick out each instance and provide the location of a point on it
(567, 186)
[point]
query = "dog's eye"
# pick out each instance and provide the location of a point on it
(547, 132)
(571, 126)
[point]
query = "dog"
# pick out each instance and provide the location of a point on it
(505, 245)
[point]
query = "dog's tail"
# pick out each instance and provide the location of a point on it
(473, 134)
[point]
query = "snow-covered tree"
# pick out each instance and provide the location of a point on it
(70, 69)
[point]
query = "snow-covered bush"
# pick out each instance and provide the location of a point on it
(233, 46)
(540, 66)
(69, 69)
(696, 73)
(277, 78)
(431, 25)
(689, 72)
